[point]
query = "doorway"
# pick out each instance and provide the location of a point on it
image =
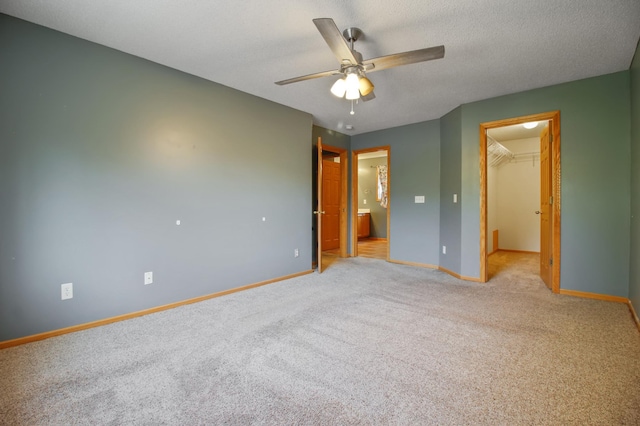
(513, 198)
(549, 210)
(371, 202)
(331, 208)
(513, 188)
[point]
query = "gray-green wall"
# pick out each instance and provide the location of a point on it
(441, 158)
(414, 170)
(100, 154)
(595, 182)
(330, 137)
(634, 271)
(450, 184)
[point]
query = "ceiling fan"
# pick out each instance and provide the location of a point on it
(355, 84)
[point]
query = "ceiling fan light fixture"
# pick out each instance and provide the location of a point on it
(339, 88)
(365, 85)
(353, 86)
(352, 94)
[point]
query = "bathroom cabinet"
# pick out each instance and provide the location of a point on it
(364, 227)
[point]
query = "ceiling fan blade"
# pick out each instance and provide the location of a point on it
(336, 42)
(405, 58)
(369, 97)
(308, 77)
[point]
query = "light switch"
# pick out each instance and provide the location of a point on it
(455, 198)
(419, 199)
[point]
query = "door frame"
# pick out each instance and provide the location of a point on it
(553, 117)
(344, 166)
(354, 197)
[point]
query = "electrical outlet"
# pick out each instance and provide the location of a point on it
(444, 249)
(148, 278)
(66, 291)
(296, 253)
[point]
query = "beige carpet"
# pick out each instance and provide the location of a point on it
(366, 342)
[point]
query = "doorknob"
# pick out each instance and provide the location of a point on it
(316, 212)
(538, 212)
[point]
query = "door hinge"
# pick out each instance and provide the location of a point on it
(551, 261)
(550, 137)
(551, 200)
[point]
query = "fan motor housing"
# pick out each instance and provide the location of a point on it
(352, 34)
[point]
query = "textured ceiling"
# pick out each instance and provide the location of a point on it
(493, 47)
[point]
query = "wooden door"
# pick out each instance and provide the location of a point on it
(331, 189)
(318, 212)
(545, 207)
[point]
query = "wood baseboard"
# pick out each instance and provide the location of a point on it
(472, 279)
(598, 296)
(605, 297)
(419, 265)
(439, 268)
(634, 314)
(41, 336)
(461, 277)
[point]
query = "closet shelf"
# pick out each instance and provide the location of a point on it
(498, 154)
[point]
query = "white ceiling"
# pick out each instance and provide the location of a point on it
(493, 47)
(516, 131)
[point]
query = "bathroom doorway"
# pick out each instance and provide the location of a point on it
(371, 203)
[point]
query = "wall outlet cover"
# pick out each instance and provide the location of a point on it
(66, 291)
